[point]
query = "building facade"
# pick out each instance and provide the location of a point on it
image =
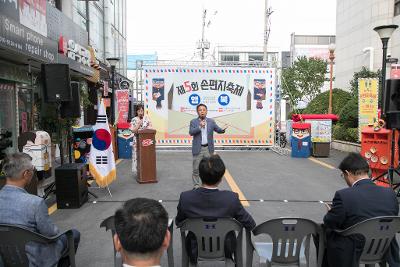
(357, 44)
(33, 33)
(247, 55)
(313, 46)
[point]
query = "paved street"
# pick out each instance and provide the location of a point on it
(258, 175)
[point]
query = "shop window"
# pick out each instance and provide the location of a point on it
(25, 110)
(7, 111)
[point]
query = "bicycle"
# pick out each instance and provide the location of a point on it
(280, 139)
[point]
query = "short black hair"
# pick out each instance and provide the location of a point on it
(355, 164)
(201, 105)
(141, 225)
(211, 170)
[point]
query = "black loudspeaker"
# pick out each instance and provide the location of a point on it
(72, 109)
(71, 185)
(392, 104)
(56, 83)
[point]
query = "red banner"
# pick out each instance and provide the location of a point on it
(122, 97)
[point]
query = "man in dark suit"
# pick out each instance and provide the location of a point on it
(210, 202)
(202, 130)
(362, 200)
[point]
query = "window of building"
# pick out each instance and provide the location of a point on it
(256, 57)
(97, 29)
(397, 7)
(79, 13)
(231, 58)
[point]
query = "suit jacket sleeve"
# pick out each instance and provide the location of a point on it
(193, 130)
(180, 216)
(242, 215)
(336, 215)
(43, 222)
(217, 128)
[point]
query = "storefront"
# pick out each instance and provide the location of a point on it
(28, 39)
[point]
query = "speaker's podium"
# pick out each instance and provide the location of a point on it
(146, 156)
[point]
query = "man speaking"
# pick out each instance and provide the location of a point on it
(202, 130)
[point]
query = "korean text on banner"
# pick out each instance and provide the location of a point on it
(367, 102)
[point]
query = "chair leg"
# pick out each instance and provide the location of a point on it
(370, 265)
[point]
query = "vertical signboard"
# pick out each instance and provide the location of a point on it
(241, 98)
(367, 102)
(122, 97)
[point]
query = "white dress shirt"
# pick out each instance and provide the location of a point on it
(204, 140)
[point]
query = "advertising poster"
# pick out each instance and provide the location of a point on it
(241, 98)
(321, 131)
(367, 102)
(122, 97)
(32, 14)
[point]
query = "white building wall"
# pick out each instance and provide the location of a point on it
(355, 20)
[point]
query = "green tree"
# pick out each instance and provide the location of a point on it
(303, 81)
(320, 104)
(363, 73)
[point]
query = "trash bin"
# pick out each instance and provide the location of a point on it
(321, 149)
(124, 140)
(301, 140)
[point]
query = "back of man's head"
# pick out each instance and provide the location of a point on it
(14, 165)
(355, 164)
(141, 226)
(211, 170)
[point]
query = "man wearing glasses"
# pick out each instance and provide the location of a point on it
(18, 207)
(362, 200)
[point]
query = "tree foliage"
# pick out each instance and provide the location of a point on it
(348, 116)
(303, 81)
(363, 73)
(320, 104)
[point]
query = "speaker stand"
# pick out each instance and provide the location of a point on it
(50, 189)
(391, 170)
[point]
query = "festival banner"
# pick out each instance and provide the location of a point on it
(242, 98)
(101, 159)
(367, 103)
(122, 97)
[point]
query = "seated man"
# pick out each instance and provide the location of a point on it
(20, 208)
(208, 201)
(362, 200)
(141, 232)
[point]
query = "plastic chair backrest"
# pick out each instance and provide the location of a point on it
(378, 233)
(287, 236)
(13, 240)
(210, 235)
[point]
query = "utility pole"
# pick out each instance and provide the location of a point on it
(203, 44)
(202, 34)
(267, 29)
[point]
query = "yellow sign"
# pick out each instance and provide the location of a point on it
(367, 102)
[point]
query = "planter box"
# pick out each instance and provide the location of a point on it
(346, 146)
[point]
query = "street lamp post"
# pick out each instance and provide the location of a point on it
(385, 32)
(113, 62)
(331, 58)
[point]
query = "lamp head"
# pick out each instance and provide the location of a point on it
(385, 31)
(113, 61)
(332, 47)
